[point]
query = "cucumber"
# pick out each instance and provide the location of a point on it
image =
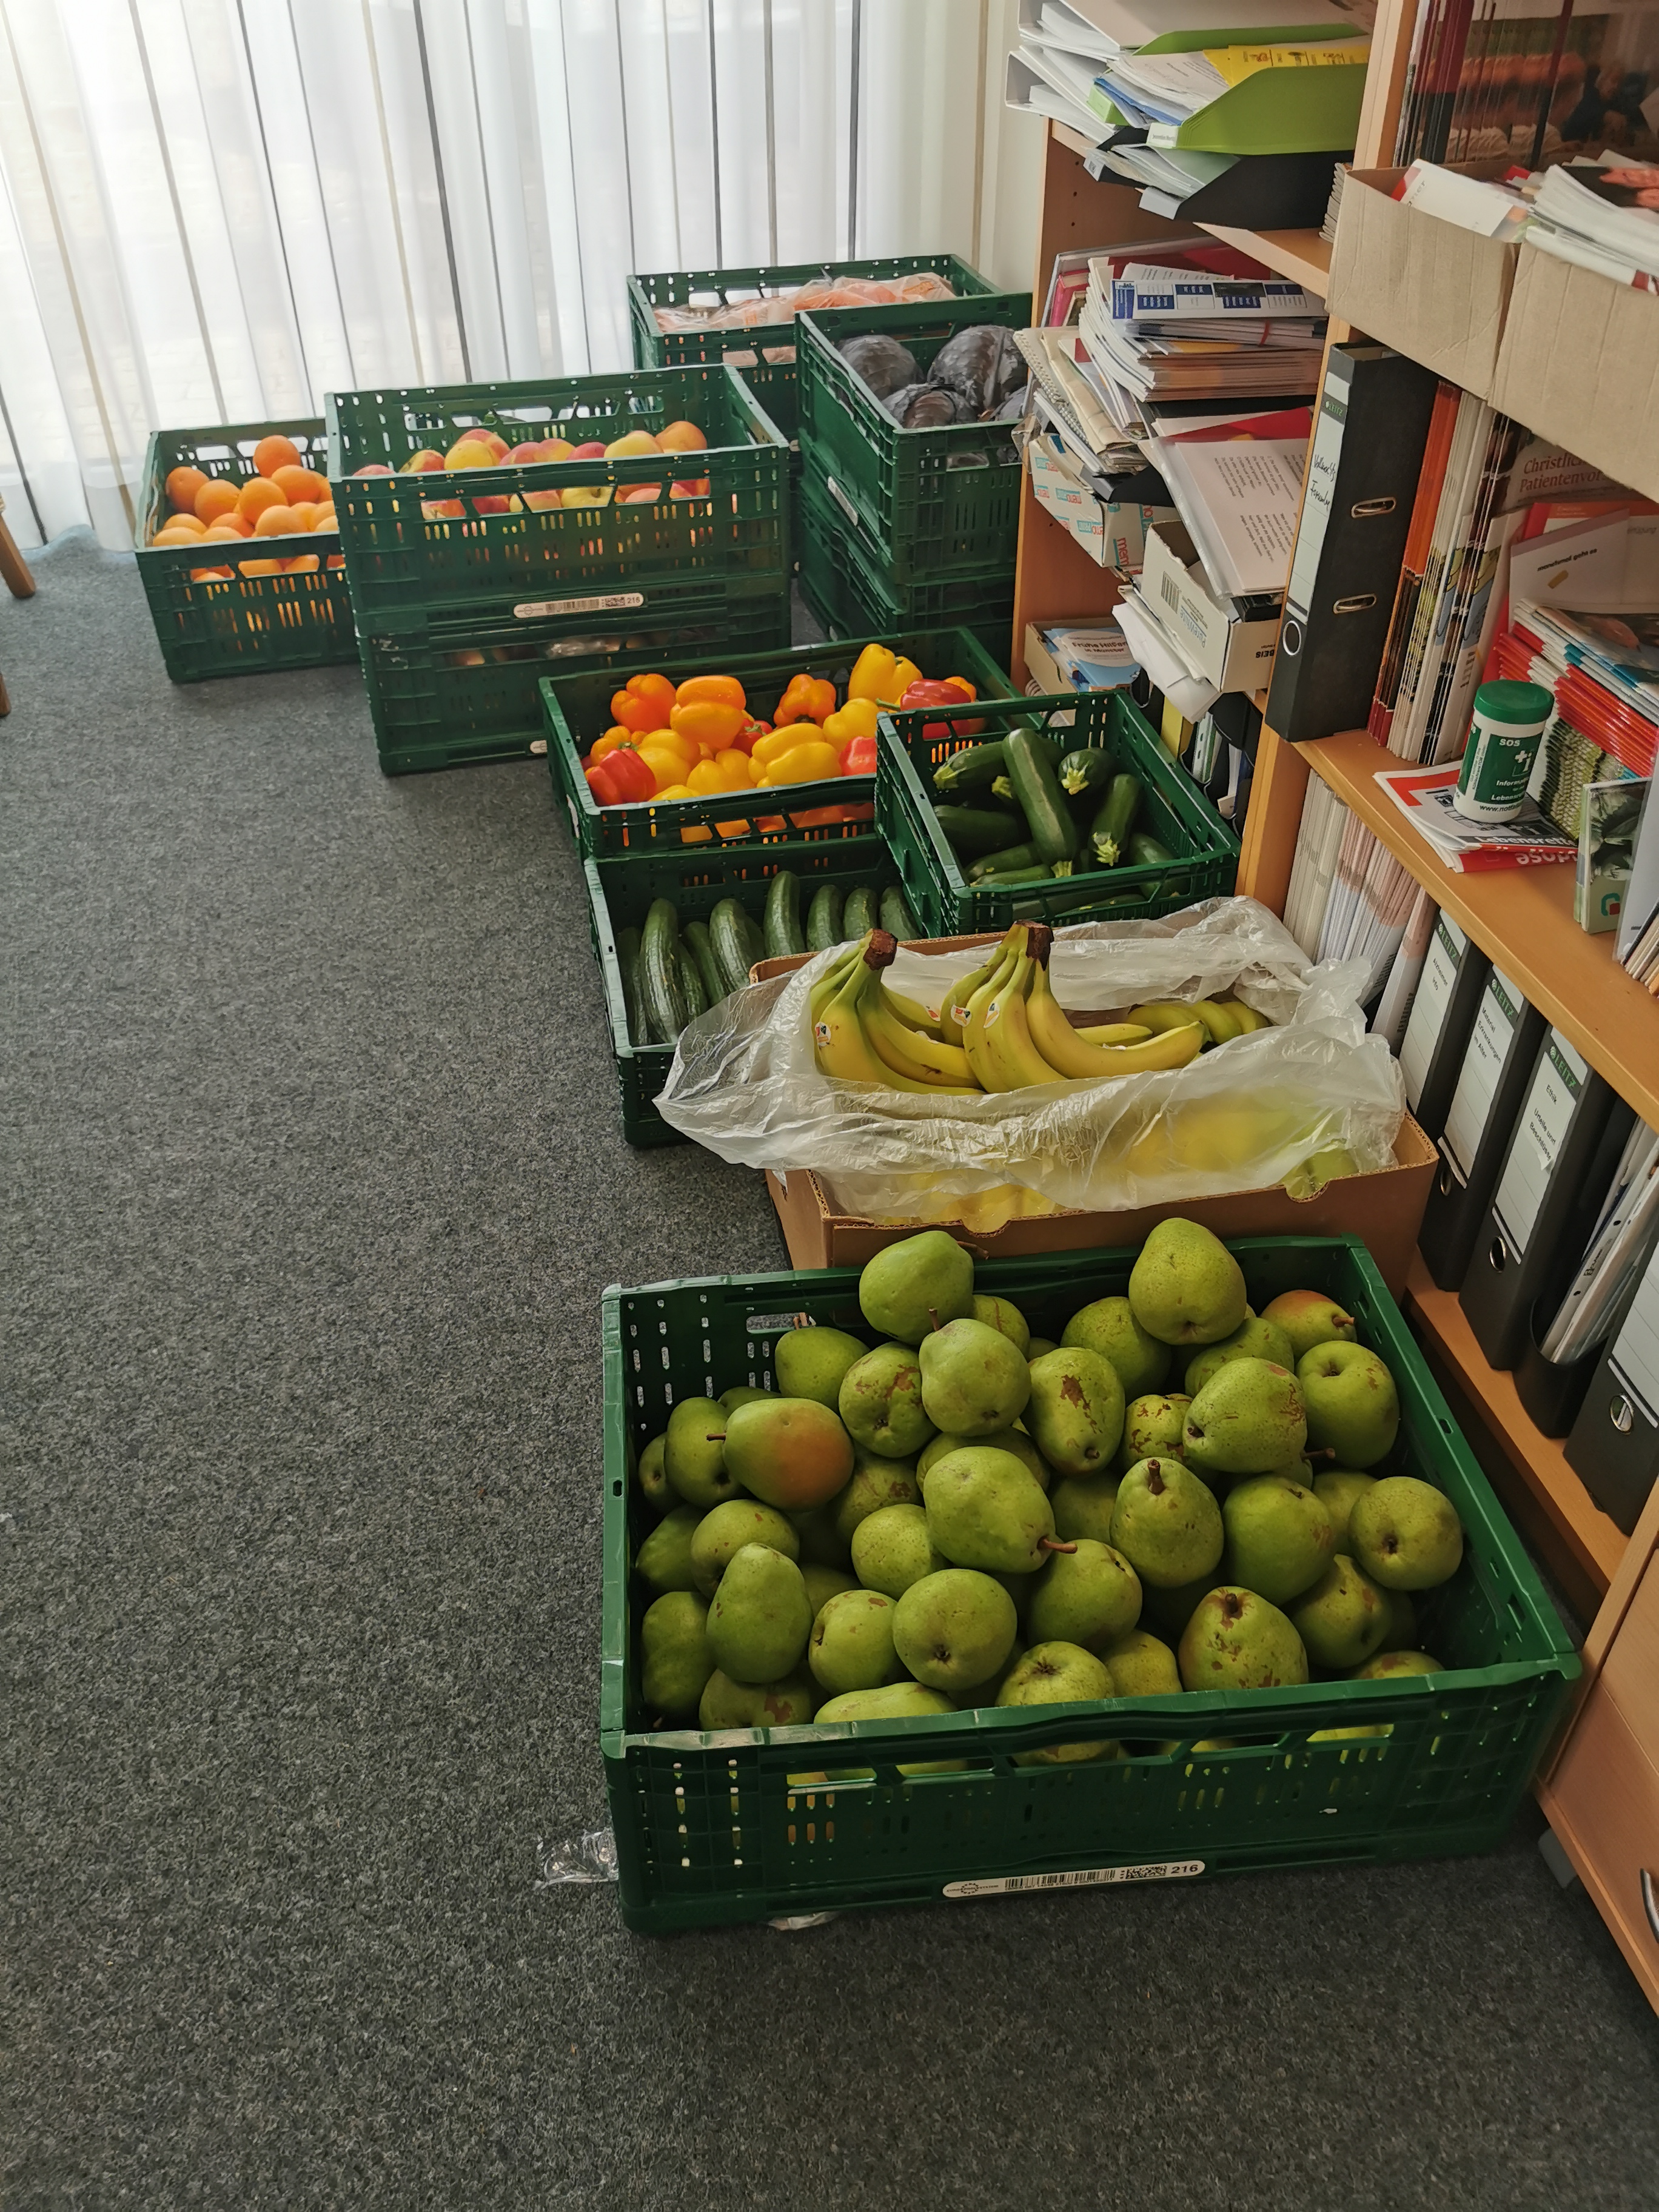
(1040, 874)
(783, 932)
(1144, 849)
(998, 864)
(823, 918)
(977, 829)
(696, 999)
(628, 960)
(971, 769)
(698, 945)
(861, 913)
(896, 916)
(1031, 771)
(729, 936)
(754, 938)
(662, 992)
(1085, 775)
(1108, 833)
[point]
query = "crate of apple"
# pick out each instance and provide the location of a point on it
(481, 448)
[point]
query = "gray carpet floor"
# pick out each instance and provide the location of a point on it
(314, 1179)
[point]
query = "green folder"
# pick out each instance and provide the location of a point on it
(1276, 111)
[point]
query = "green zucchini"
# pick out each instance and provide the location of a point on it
(1031, 771)
(971, 769)
(696, 999)
(662, 991)
(755, 937)
(1086, 774)
(1042, 873)
(728, 935)
(861, 913)
(1108, 833)
(824, 918)
(975, 829)
(998, 864)
(782, 931)
(1144, 849)
(698, 945)
(895, 915)
(628, 960)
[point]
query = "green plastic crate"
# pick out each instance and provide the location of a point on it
(772, 383)
(619, 895)
(1173, 809)
(928, 505)
(848, 598)
(444, 691)
(576, 710)
(710, 1829)
(556, 558)
(249, 625)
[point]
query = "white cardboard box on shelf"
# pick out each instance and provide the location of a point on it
(1233, 653)
(1580, 365)
(1112, 536)
(1427, 287)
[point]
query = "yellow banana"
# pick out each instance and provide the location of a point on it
(908, 1052)
(1070, 1051)
(1115, 1033)
(1248, 1018)
(1220, 1021)
(952, 1015)
(987, 1074)
(1161, 1014)
(913, 1016)
(835, 976)
(1018, 1062)
(839, 1043)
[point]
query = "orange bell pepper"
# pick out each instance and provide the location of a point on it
(643, 703)
(711, 723)
(805, 699)
(721, 690)
(619, 734)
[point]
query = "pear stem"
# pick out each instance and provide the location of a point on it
(1048, 1544)
(932, 1315)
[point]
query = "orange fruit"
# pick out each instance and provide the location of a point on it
(183, 484)
(177, 538)
(210, 576)
(306, 513)
(302, 564)
(225, 532)
(273, 453)
(681, 437)
(297, 484)
(276, 522)
(216, 498)
(261, 567)
(256, 494)
(336, 560)
(187, 522)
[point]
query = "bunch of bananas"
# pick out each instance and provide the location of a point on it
(1001, 1027)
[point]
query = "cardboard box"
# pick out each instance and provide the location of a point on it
(1429, 288)
(1580, 364)
(1210, 634)
(1113, 537)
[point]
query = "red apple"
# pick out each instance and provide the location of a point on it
(420, 464)
(592, 451)
(532, 451)
(373, 469)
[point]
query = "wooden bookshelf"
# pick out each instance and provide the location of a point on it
(1302, 255)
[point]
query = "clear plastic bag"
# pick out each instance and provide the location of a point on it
(591, 1858)
(744, 1082)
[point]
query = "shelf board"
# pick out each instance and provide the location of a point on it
(1593, 1543)
(1300, 255)
(1521, 918)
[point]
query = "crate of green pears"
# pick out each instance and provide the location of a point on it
(944, 1577)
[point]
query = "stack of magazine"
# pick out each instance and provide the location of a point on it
(1603, 215)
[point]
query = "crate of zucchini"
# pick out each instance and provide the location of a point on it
(848, 596)
(1061, 809)
(576, 710)
(673, 935)
(772, 383)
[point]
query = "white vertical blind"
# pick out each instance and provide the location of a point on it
(215, 211)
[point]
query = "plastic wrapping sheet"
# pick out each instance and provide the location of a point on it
(745, 1086)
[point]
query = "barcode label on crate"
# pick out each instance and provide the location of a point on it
(598, 604)
(1079, 1878)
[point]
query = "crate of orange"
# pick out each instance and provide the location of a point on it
(239, 551)
(590, 717)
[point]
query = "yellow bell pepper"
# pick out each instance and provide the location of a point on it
(857, 718)
(873, 675)
(710, 724)
(712, 775)
(807, 763)
(776, 742)
(905, 673)
(668, 767)
(737, 769)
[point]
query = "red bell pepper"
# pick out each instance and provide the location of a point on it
(944, 691)
(602, 783)
(747, 735)
(859, 757)
(631, 776)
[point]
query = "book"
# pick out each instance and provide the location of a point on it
(1619, 1244)
(1370, 902)
(1609, 813)
(1399, 994)
(1324, 818)
(1527, 81)
(1436, 454)
(1239, 500)
(1490, 210)
(1424, 796)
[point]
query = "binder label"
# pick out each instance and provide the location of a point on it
(1323, 464)
(1483, 1063)
(1635, 1356)
(1559, 1077)
(1445, 954)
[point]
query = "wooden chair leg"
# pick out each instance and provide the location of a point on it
(5, 703)
(13, 567)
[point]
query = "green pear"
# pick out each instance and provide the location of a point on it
(1038, 1347)
(786, 1704)
(986, 1510)
(1057, 1674)
(954, 1628)
(1249, 1419)
(1152, 1426)
(721, 1533)
(1235, 1640)
(987, 1692)
(1186, 1287)
(664, 1560)
(892, 1549)
(1342, 1618)
(1166, 1523)
(1109, 1328)
(740, 1394)
(1343, 1735)
(1406, 1534)
(823, 1583)
(694, 1455)
(821, 1544)
(677, 1661)
(809, 1363)
(1076, 1411)
(880, 1402)
(1308, 1318)
(1397, 1666)
(876, 1482)
(851, 1646)
(792, 1453)
(899, 1701)
(1172, 1609)
(1401, 1632)
(1083, 1507)
(1278, 1537)
(1255, 1338)
(1090, 1596)
(761, 1617)
(1353, 1408)
(1310, 1176)
(1141, 1666)
(652, 1476)
(917, 1285)
(1340, 1489)
(1008, 1319)
(974, 1380)
(1007, 1440)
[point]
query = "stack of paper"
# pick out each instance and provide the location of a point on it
(1424, 796)
(1371, 902)
(1159, 330)
(1325, 820)
(1618, 1249)
(1603, 215)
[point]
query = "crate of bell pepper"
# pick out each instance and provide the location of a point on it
(1063, 808)
(658, 756)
